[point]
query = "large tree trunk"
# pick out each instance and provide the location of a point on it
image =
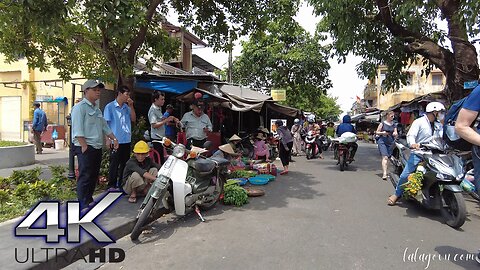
(465, 62)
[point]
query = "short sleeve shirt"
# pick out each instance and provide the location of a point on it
(473, 102)
(155, 115)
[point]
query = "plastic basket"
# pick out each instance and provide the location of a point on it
(268, 176)
(241, 181)
(258, 180)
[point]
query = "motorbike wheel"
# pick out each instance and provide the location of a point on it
(211, 204)
(142, 220)
(455, 211)
(342, 161)
(309, 153)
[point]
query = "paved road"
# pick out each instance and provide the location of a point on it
(315, 218)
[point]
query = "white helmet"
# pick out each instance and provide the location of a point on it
(296, 121)
(434, 107)
(311, 118)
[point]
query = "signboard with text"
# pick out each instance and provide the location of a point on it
(278, 94)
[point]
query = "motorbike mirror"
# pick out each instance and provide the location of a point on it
(207, 145)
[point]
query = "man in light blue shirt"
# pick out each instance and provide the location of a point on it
(158, 122)
(196, 124)
(119, 115)
(39, 125)
(88, 131)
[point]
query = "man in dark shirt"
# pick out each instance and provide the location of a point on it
(140, 172)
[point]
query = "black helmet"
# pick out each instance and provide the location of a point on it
(279, 123)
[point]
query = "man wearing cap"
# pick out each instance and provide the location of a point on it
(196, 124)
(119, 115)
(140, 172)
(170, 126)
(88, 131)
(39, 126)
(158, 122)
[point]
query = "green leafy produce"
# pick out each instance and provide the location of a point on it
(242, 174)
(236, 195)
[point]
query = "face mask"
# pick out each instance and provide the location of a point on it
(441, 116)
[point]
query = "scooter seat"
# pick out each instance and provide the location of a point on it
(220, 161)
(204, 165)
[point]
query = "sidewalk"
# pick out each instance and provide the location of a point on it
(32, 252)
(50, 156)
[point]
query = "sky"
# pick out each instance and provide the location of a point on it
(346, 83)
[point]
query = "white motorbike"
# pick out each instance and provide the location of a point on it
(182, 186)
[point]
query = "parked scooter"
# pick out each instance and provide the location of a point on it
(272, 144)
(442, 174)
(311, 147)
(182, 186)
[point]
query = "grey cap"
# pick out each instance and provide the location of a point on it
(92, 84)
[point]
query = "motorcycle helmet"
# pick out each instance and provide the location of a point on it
(296, 121)
(311, 118)
(434, 107)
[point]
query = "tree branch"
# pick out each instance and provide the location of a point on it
(417, 43)
(140, 38)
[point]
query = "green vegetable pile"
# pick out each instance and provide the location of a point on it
(242, 174)
(234, 194)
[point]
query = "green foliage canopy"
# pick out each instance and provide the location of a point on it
(285, 56)
(104, 38)
(395, 33)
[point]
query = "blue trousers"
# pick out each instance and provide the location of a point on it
(410, 167)
(88, 172)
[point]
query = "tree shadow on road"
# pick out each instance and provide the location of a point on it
(454, 255)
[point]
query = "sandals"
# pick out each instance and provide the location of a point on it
(283, 172)
(392, 202)
(132, 199)
(384, 177)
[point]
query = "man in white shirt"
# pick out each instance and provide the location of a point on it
(421, 131)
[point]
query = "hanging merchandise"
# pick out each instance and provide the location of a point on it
(54, 134)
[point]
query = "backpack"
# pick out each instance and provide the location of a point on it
(449, 134)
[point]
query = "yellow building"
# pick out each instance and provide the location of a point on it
(417, 85)
(17, 97)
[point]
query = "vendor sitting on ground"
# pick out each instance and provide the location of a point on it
(234, 141)
(261, 149)
(140, 172)
(226, 151)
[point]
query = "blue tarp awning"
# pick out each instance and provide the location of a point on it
(176, 87)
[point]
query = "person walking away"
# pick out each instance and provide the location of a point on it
(88, 131)
(119, 115)
(421, 130)
(297, 138)
(285, 144)
(170, 127)
(39, 126)
(158, 122)
(346, 126)
(140, 172)
(387, 130)
(197, 124)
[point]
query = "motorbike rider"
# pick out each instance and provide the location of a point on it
(346, 126)
(421, 130)
(315, 128)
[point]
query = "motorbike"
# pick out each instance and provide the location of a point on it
(341, 153)
(443, 171)
(311, 147)
(182, 186)
(325, 142)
